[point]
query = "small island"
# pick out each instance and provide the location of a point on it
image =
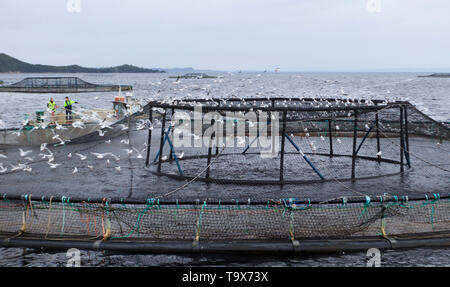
(193, 76)
(9, 64)
(437, 75)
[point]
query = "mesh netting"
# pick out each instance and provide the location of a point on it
(54, 219)
(52, 82)
(59, 85)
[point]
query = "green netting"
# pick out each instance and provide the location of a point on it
(203, 221)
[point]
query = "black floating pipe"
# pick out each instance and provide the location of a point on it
(136, 201)
(276, 247)
(161, 144)
(216, 135)
(170, 152)
(149, 142)
(408, 159)
(282, 148)
(355, 136)
(210, 151)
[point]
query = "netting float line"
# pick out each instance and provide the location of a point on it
(225, 226)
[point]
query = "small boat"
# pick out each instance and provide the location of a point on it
(193, 76)
(59, 85)
(83, 126)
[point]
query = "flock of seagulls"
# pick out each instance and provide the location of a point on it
(26, 157)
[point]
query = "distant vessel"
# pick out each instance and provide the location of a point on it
(193, 76)
(59, 85)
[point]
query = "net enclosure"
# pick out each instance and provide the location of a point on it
(287, 141)
(59, 85)
(278, 175)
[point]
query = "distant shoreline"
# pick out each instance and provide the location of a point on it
(9, 64)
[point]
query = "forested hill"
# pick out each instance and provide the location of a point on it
(9, 64)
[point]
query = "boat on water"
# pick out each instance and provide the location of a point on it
(60, 85)
(84, 125)
(193, 76)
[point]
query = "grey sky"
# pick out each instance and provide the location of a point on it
(294, 35)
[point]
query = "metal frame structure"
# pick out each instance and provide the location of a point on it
(306, 105)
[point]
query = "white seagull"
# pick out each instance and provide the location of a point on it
(100, 155)
(24, 153)
(53, 165)
(82, 157)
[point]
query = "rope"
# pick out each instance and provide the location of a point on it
(432, 202)
(107, 232)
(366, 206)
(199, 223)
(413, 154)
(23, 228)
(291, 226)
(49, 217)
(193, 179)
(150, 203)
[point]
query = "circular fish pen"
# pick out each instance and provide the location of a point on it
(257, 175)
(281, 141)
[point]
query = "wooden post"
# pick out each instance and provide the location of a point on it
(149, 142)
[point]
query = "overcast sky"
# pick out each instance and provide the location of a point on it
(294, 35)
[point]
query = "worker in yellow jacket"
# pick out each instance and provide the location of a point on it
(51, 105)
(68, 107)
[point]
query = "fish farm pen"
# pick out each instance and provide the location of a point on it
(254, 175)
(59, 85)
